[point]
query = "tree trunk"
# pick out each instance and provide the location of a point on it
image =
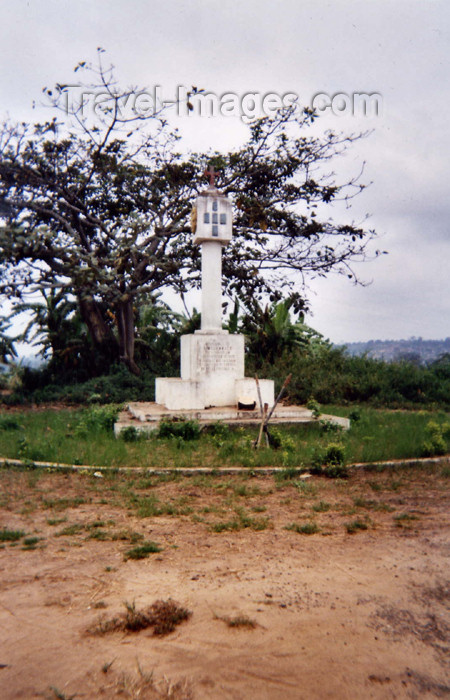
(125, 324)
(101, 334)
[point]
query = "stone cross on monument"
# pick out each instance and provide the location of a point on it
(212, 174)
(212, 360)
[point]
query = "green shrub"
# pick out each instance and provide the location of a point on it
(327, 426)
(217, 429)
(48, 384)
(331, 455)
(336, 471)
(313, 406)
(9, 423)
(130, 434)
(355, 415)
(279, 440)
(179, 428)
(96, 418)
(330, 461)
(436, 443)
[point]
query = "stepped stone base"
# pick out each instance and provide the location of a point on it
(212, 374)
(146, 416)
(177, 394)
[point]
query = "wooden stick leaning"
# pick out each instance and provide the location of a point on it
(263, 412)
(259, 395)
(261, 428)
(285, 384)
(266, 417)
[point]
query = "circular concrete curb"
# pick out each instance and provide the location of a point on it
(187, 471)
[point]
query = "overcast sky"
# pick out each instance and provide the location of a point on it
(396, 48)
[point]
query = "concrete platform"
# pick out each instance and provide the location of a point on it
(146, 416)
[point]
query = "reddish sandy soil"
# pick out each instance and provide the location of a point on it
(337, 615)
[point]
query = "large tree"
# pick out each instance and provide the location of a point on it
(99, 204)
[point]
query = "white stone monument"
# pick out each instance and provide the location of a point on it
(212, 360)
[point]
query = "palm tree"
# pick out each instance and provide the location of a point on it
(271, 331)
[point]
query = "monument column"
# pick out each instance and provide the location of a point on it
(212, 360)
(211, 319)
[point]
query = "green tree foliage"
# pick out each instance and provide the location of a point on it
(331, 376)
(270, 331)
(98, 204)
(56, 327)
(7, 349)
(158, 331)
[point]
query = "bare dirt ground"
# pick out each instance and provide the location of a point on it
(336, 615)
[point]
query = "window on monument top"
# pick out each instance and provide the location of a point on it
(215, 205)
(223, 218)
(206, 218)
(215, 230)
(215, 219)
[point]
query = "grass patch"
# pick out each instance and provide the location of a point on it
(150, 506)
(56, 521)
(128, 535)
(321, 507)
(59, 695)
(85, 436)
(356, 526)
(70, 530)
(142, 551)
(100, 535)
(305, 529)
(242, 521)
(287, 474)
(306, 488)
(241, 621)
(64, 503)
(7, 535)
(404, 519)
(370, 504)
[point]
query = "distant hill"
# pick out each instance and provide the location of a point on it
(415, 350)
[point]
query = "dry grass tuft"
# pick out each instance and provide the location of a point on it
(237, 621)
(144, 687)
(163, 616)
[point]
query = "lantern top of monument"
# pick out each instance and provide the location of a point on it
(211, 173)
